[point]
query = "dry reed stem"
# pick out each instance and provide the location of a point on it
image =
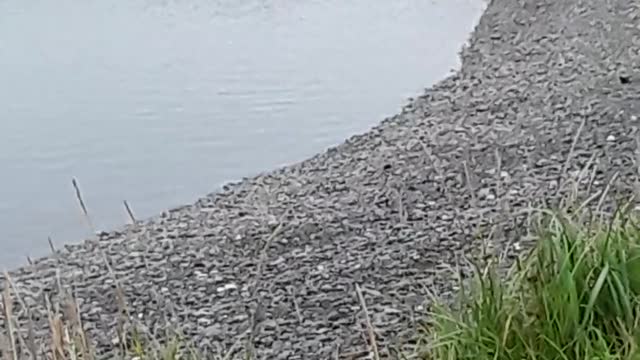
(8, 315)
(235, 345)
(436, 168)
(472, 191)
(565, 167)
(372, 335)
(498, 172)
(5, 348)
(296, 306)
(73, 312)
(402, 213)
(606, 191)
(129, 212)
(57, 345)
(83, 207)
(120, 294)
(257, 316)
(51, 246)
(31, 339)
(263, 254)
(123, 309)
(29, 344)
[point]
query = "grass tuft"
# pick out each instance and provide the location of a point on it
(575, 296)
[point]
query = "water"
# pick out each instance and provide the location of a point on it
(161, 101)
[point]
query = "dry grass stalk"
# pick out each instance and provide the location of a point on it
(295, 305)
(438, 169)
(606, 191)
(31, 339)
(55, 325)
(29, 343)
(8, 315)
(75, 318)
(5, 347)
(235, 345)
(470, 185)
(498, 172)
(402, 211)
(123, 310)
(565, 167)
(371, 332)
(263, 253)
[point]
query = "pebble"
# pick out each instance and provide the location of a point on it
(530, 76)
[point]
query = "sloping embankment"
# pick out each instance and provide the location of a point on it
(391, 209)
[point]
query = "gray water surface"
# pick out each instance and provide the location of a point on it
(159, 102)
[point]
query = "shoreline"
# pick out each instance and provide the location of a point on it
(537, 100)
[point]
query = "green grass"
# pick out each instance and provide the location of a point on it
(575, 296)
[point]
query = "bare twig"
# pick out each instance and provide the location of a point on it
(371, 331)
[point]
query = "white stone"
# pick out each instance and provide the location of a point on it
(227, 287)
(230, 286)
(611, 138)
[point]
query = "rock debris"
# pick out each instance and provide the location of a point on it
(548, 91)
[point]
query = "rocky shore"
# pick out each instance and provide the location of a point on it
(548, 91)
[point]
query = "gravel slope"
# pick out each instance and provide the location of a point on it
(391, 209)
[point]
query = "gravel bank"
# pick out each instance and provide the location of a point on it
(391, 209)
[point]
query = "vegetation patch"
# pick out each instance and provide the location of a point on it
(574, 296)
